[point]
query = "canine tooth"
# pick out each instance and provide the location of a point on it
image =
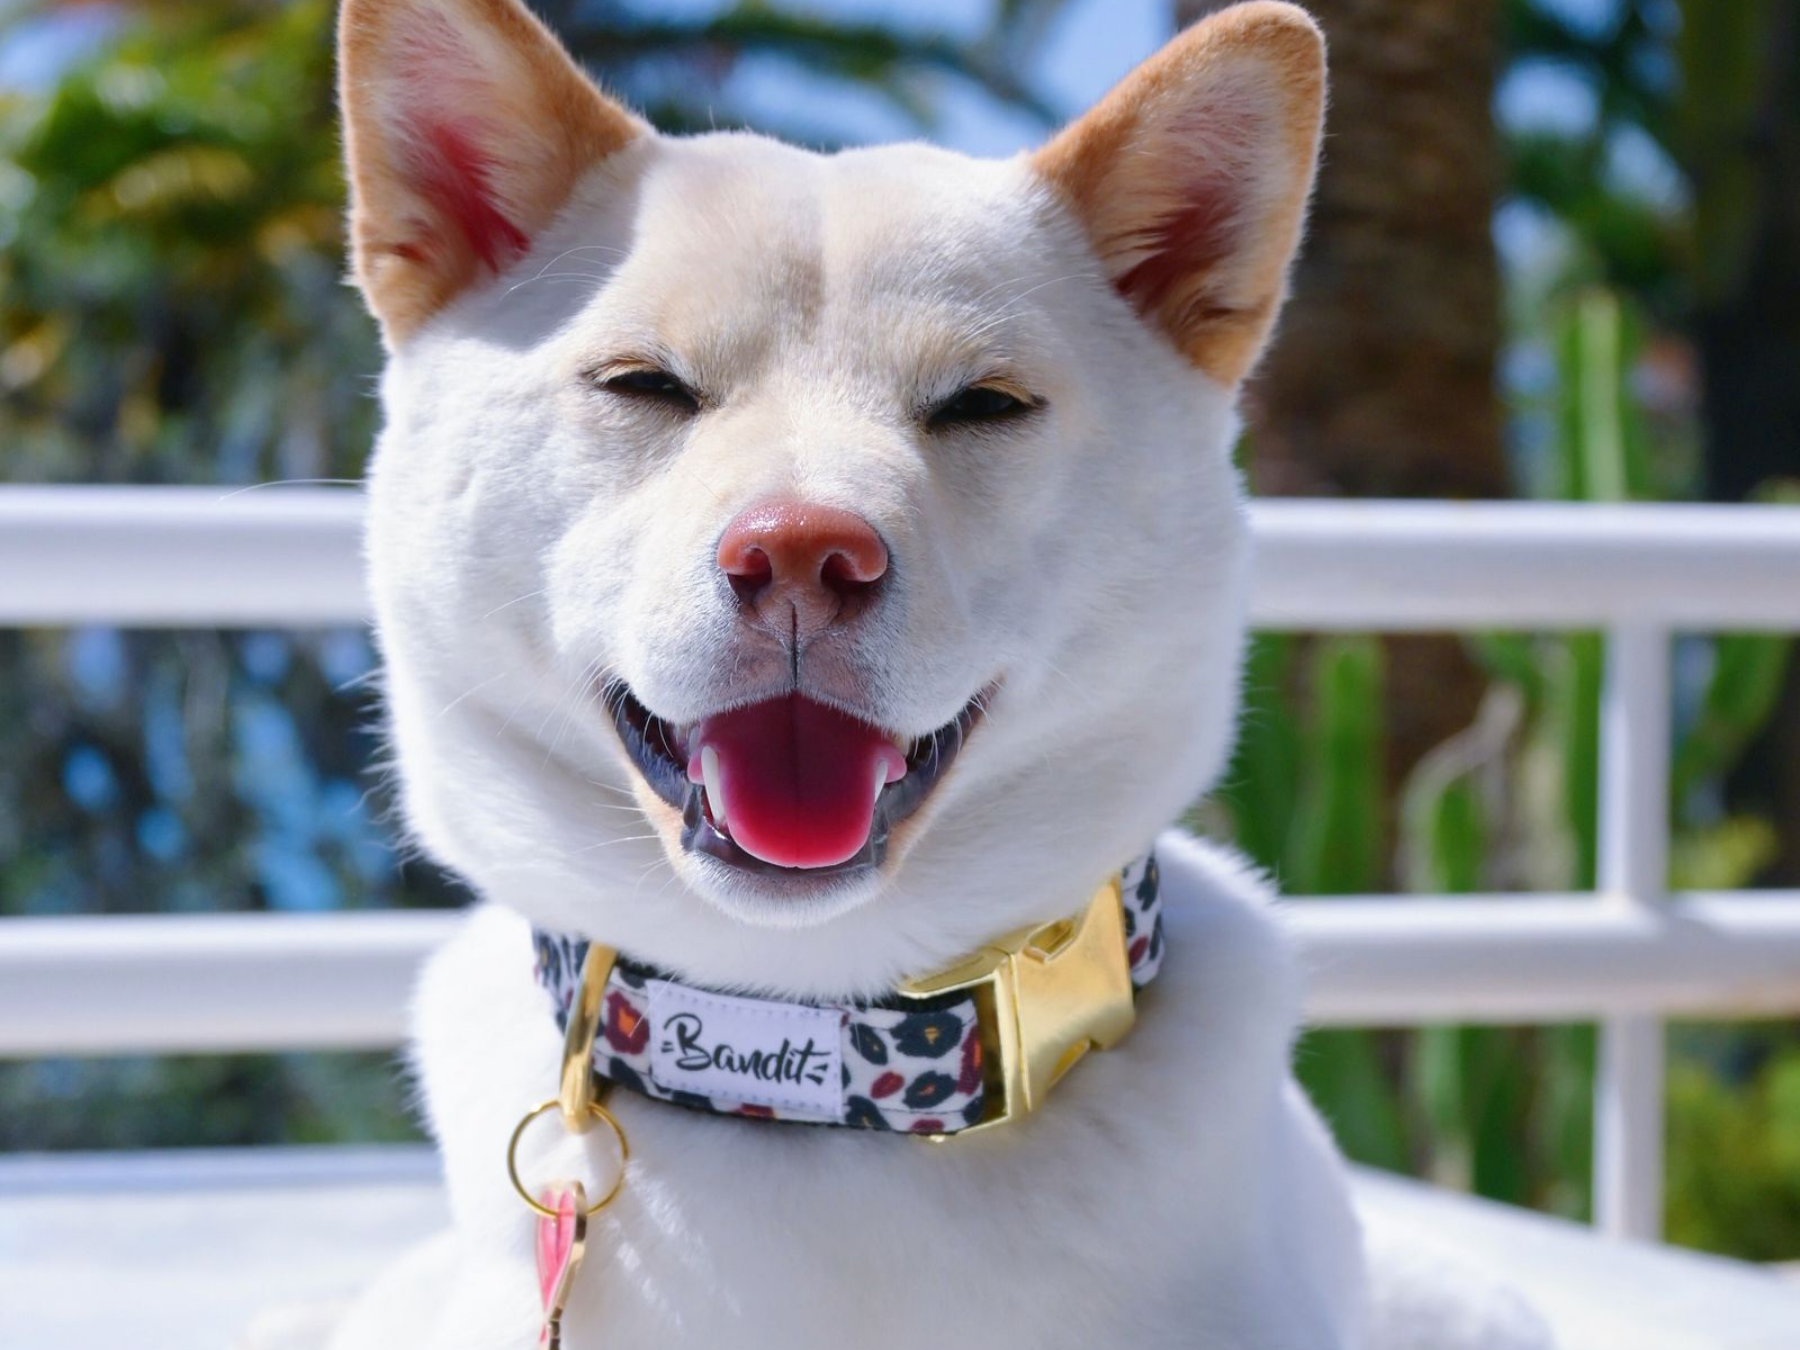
(714, 784)
(880, 778)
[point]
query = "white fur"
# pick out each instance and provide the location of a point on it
(532, 537)
(1178, 1193)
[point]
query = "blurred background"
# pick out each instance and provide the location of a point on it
(1555, 254)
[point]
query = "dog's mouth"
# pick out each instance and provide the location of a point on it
(789, 785)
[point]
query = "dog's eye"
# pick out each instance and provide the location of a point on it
(975, 404)
(651, 384)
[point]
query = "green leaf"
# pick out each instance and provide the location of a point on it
(1748, 675)
(1261, 787)
(1336, 847)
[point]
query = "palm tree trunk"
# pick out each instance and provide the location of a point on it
(1382, 381)
(1738, 131)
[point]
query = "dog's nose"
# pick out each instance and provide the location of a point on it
(800, 567)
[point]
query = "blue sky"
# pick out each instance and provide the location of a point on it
(1091, 44)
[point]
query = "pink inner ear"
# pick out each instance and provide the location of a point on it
(454, 176)
(1209, 153)
(448, 156)
(1185, 244)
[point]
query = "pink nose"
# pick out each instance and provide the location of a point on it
(801, 567)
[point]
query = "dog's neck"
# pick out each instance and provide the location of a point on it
(920, 1060)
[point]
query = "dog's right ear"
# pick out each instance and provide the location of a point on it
(1191, 178)
(466, 126)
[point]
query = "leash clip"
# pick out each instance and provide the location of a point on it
(577, 1101)
(562, 1207)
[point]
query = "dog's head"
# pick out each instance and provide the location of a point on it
(796, 569)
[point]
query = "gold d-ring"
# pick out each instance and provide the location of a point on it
(595, 1112)
(575, 1094)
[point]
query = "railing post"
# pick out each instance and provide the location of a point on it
(1633, 869)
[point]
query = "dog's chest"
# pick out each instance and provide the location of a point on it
(1120, 1206)
(863, 1241)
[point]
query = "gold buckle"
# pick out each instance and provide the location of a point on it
(1045, 997)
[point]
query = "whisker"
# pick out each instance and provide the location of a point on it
(610, 843)
(516, 600)
(563, 701)
(291, 482)
(469, 693)
(609, 787)
(559, 276)
(584, 687)
(368, 677)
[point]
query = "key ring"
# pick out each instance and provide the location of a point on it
(595, 1111)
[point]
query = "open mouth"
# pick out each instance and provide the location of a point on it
(790, 784)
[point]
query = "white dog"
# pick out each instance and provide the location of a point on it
(797, 572)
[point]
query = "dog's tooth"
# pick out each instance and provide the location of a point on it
(880, 778)
(715, 785)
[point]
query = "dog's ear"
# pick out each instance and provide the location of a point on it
(466, 126)
(1192, 176)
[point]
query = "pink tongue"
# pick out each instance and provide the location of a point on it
(798, 779)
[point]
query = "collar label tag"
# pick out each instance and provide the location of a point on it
(747, 1050)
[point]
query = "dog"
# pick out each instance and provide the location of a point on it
(795, 573)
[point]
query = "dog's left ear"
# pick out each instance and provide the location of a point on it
(1191, 178)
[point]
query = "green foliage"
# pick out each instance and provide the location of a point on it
(1734, 1142)
(1303, 793)
(1748, 674)
(1337, 835)
(1511, 803)
(202, 1101)
(1721, 50)
(173, 308)
(1351, 1076)
(654, 60)
(1261, 789)
(1600, 440)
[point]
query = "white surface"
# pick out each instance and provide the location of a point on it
(213, 557)
(180, 1251)
(188, 983)
(1598, 1293)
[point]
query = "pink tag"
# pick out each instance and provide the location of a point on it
(560, 1244)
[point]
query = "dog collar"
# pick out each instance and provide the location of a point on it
(971, 1046)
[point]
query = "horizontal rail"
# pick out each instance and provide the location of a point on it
(1464, 566)
(178, 984)
(257, 982)
(204, 557)
(180, 557)
(1563, 958)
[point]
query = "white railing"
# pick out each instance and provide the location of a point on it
(1628, 957)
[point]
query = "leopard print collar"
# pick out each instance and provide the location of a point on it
(883, 1065)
